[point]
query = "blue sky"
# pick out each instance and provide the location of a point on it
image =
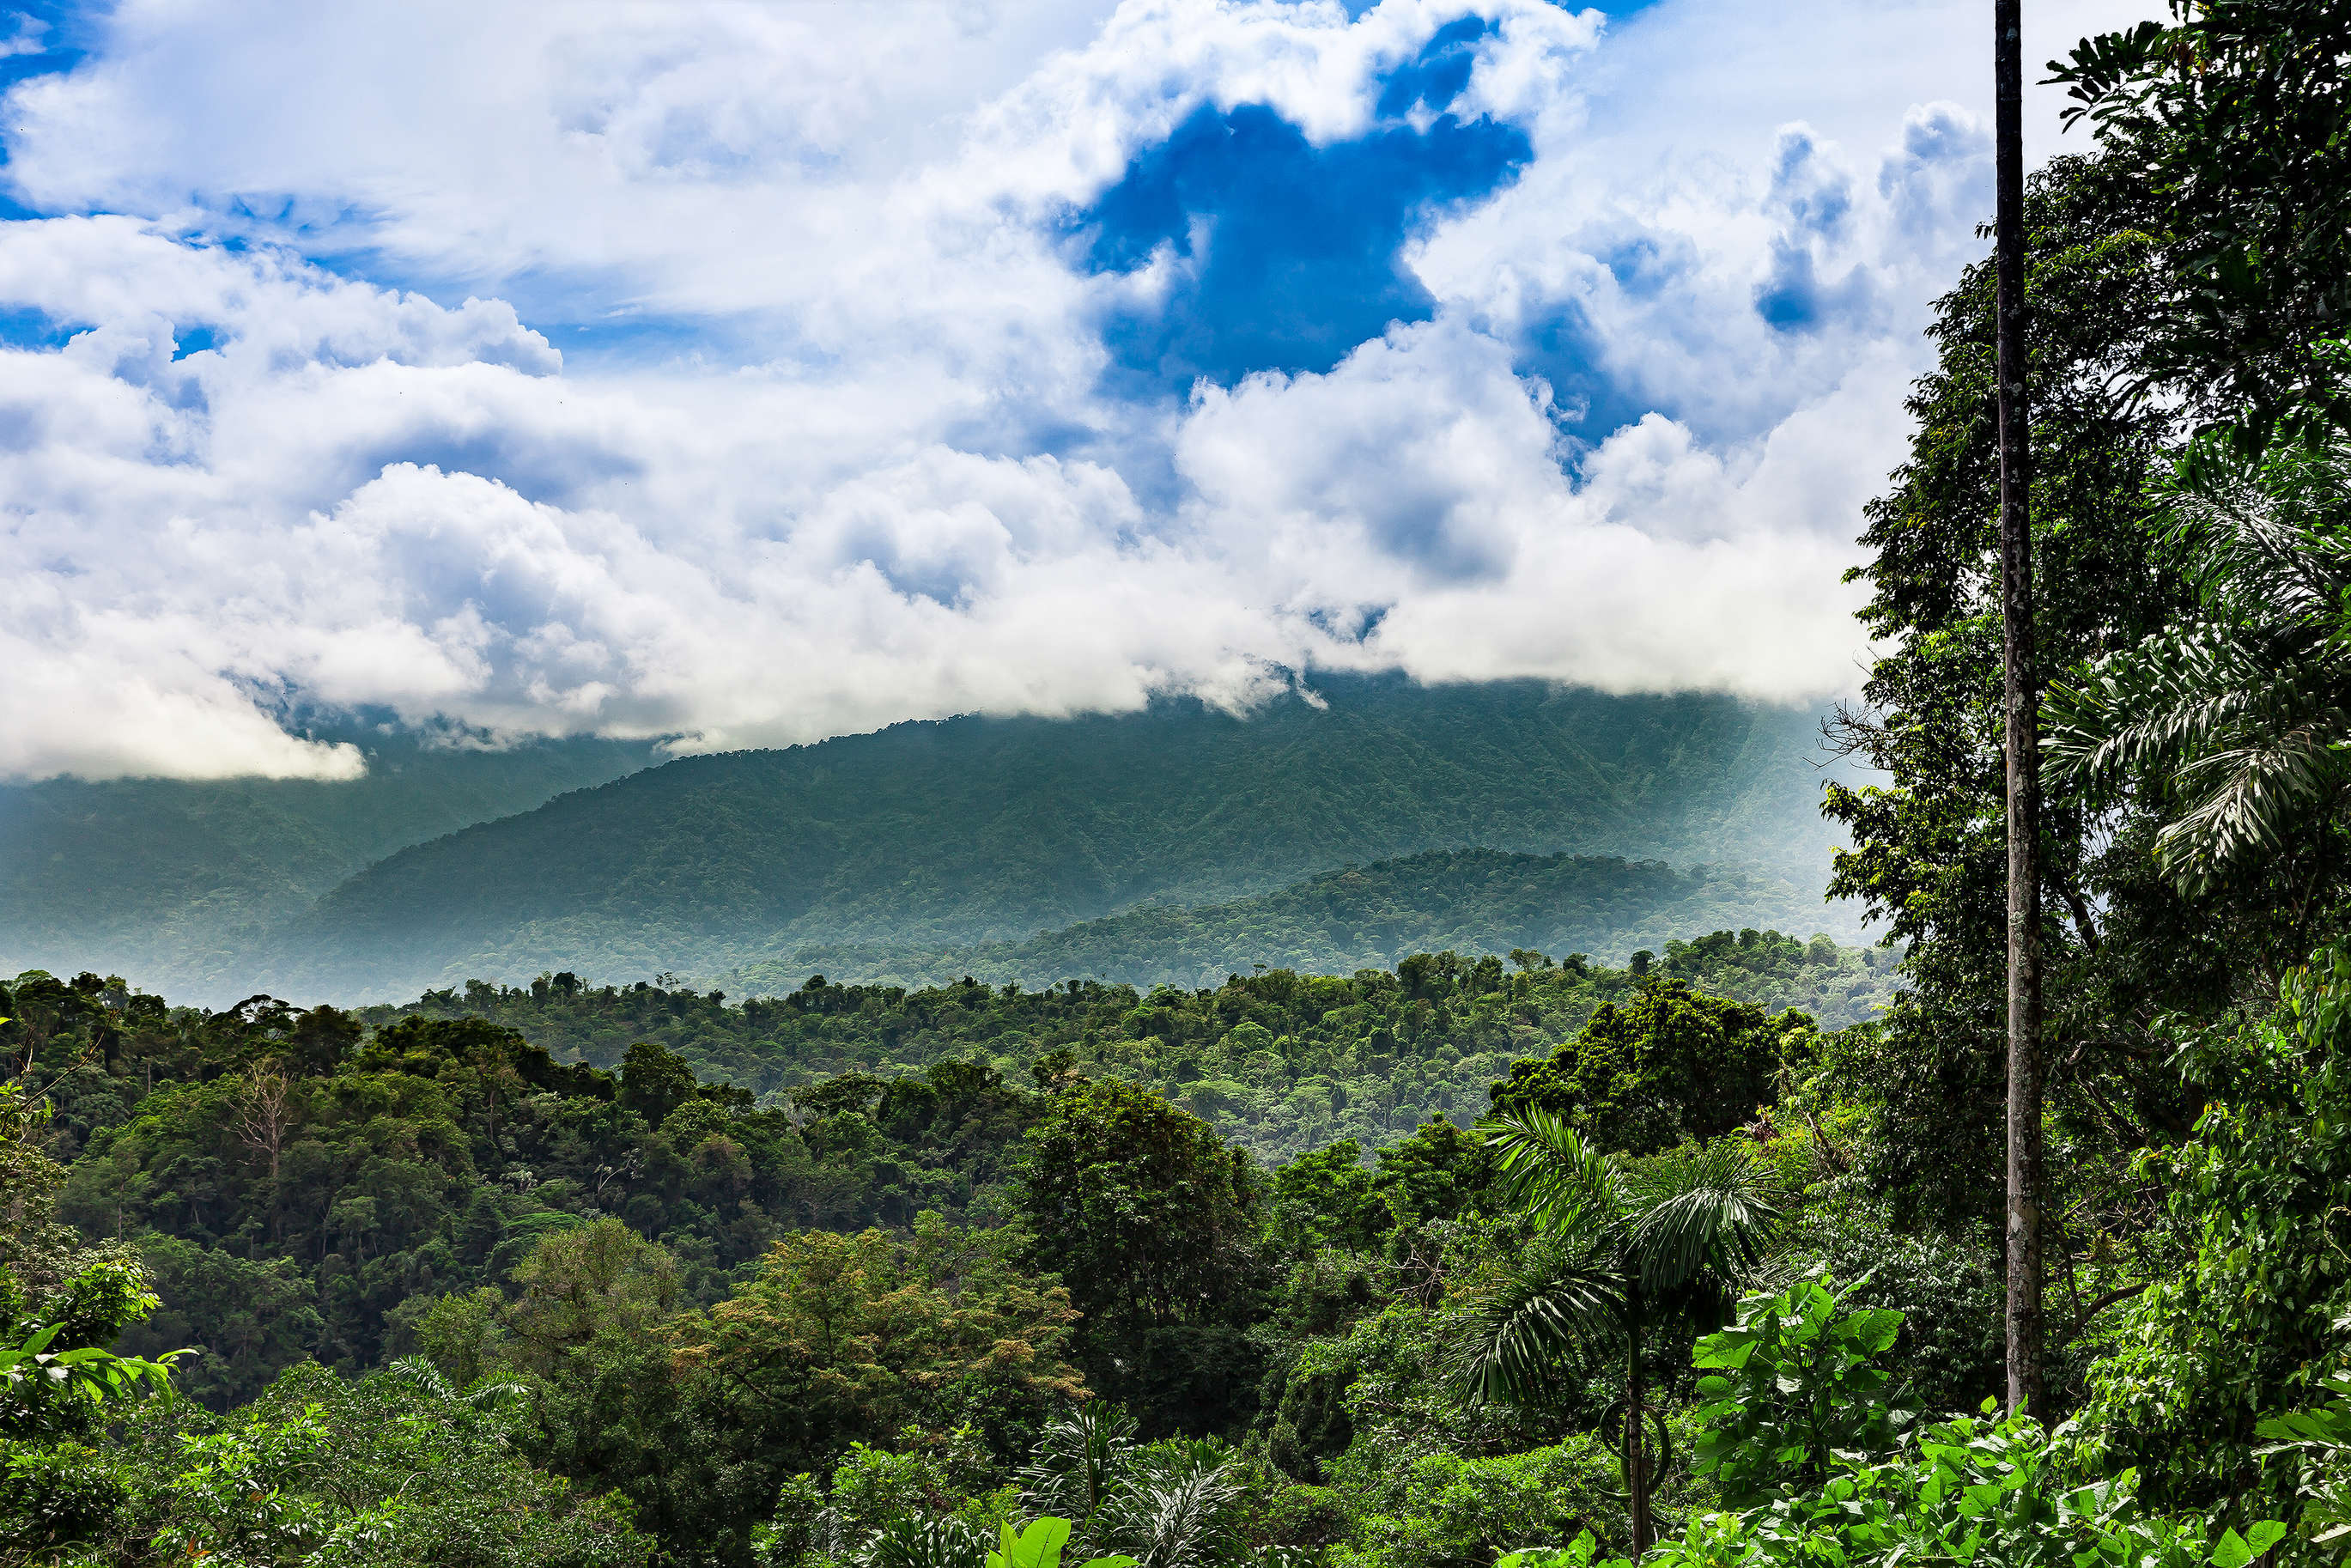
(746, 374)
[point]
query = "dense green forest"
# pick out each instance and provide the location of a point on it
(306, 1188)
(1475, 901)
(1280, 1063)
(179, 882)
(927, 836)
(1704, 1285)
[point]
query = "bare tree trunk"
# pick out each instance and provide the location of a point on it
(1636, 1457)
(2021, 704)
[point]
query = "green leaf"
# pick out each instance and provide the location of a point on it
(1874, 1330)
(2264, 1535)
(2231, 1551)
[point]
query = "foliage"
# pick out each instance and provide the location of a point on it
(1040, 1546)
(2246, 1323)
(2236, 118)
(29, 1368)
(1929, 852)
(1948, 1289)
(912, 1508)
(1361, 1407)
(1668, 1065)
(856, 1337)
(1795, 1384)
(2235, 725)
(1153, 1222)
(1447, 1511)
(2320, 1439)
(1283, 1061)
(1633, 1254)
(1475, 901)
(62, 1308)
(431, 1156)
(1175, 1503)
(395, 1468)
(1966, 1490)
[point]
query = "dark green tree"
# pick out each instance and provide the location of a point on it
(2234, 118)
(1668, 1064)
(1153, 1221)
(1929, 846)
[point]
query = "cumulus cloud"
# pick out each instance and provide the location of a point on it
(749, 375)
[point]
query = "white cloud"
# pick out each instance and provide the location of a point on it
(813, 500)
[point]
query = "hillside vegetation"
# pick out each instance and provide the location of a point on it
(307, 1183)
(181, 881)
(1474, 902)
(927, 836)
(1279, 1062)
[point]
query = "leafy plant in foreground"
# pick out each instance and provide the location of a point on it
(90, 1373)
(1794, 1384)
(2321, 1439)
(1040, 1546)
(1971, 1490)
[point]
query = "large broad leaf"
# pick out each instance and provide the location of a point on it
(1038, 1546)
(1872, 1331)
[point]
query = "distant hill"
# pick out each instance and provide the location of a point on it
(1360, 918)
(928, 836)
(179, 883)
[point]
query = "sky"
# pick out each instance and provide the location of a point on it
(745, 374)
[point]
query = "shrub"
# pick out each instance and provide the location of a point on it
(1456, 1512)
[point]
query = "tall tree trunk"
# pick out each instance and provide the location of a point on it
(1636, 1457)
(2021, 703)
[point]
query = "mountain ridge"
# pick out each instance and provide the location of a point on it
(933, 834)
(183, 880)
(1356, 917)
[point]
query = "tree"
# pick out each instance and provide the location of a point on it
(396, 1469)
(2233, 726)
(838, 1340)
(2020, 711)
(2248, 1318)
(1930, 853)
(2236, 118)
(1152, 1220)
(580, 1283)
(1629, 1255)
(1668, 1064)
(654, 1081)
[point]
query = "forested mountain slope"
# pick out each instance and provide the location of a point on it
(974, 830)
(176, 881)
(1364, 917)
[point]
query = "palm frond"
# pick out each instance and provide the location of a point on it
(1078, 1460)
(2237, 727)
(1697, 1216)
(912, 1541)
(1520, 1338)
(1174, 1507)
(1551, 1176)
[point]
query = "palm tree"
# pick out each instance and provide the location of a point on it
(1170, 1504)
(1625, 1252)
(2235, 724)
